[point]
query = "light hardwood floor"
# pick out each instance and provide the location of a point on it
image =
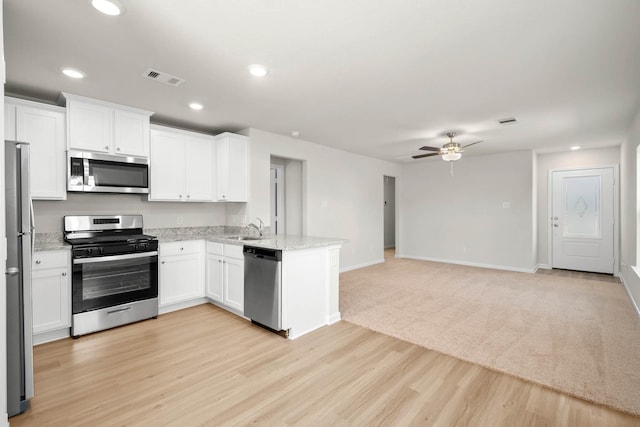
(204, 366)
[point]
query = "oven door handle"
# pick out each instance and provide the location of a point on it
(114, 258)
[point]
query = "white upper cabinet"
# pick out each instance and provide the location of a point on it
(43, 127)
(180, 165)
(107, 128)
(197, 155)
(231, 159)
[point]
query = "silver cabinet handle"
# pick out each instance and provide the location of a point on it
(182, 249)
(162, 262)
(188, 196)
(106, 147)
(118, 149)
(555, 225)
(12, 271)
(64, 274)
(180, 196)
(38, 261)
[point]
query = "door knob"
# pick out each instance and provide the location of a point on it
(555, 218)
(12, 271)
(555, 225)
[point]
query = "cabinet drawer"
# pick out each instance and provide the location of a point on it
(181, 248)
(233, 251)
(215, 248)
(50, 259)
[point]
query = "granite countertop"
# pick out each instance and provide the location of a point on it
(229, 235)
(220, 234)
(50, 242)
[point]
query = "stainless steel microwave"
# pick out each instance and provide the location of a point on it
(103, 173)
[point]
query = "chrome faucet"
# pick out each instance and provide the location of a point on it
(259, 228)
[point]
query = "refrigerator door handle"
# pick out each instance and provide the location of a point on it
(32, 228)
(12, 271)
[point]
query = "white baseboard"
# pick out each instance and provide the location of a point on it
(51, 336)
(471, 264)
(180, 305)
(365, 264)
(335, 317)
(4, 421)
(626, 287)
(544, 267)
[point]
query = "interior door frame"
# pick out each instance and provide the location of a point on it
(616, 211)
(280, 199)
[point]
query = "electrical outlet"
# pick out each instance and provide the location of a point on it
(180, 220)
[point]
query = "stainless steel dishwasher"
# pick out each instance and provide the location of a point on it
(263, 286)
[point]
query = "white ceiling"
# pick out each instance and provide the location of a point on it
(381, 78)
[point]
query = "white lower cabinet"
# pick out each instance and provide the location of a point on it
(51, 294)
(215, 271)
(225, 275)
(182, 272)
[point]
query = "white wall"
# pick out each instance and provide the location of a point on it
(629, 211)
(461, 218)
(343, 193)
(48, 214)
(571, 159)
(294, 202)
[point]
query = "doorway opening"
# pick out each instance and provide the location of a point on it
(389, 216)
(286, 198)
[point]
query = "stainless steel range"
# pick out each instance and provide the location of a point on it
(115, 271)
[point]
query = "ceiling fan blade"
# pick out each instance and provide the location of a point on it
(429, 148)
(469, 145)
(419, 156)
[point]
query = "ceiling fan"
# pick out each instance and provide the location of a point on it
(450, 151)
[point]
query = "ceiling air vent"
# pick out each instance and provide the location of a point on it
(161, 77)
(508, 121)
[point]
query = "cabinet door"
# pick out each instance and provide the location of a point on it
(222, 168)
(234, 283)
(131, 133)
(166, 165)
(198, 169)
(237, 169)
(179, 279)
(51, 296)
(45, 132)
(215, 277)
(9, 122)
(90, 126)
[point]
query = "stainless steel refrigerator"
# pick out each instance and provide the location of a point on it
(19, 220)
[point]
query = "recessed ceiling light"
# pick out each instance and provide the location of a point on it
(295, 133)
(108, 7)
(73, 73)
(196, 106)
(258, 70)
(575, 147)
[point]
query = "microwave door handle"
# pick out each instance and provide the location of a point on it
(85, 177)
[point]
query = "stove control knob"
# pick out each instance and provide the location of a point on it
(89, 251)
(143, 246)
(101, 251)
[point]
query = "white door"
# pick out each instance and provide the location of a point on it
(582, 220)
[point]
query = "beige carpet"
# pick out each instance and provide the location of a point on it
(578, 336)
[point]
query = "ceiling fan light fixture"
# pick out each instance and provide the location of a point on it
(451, 156)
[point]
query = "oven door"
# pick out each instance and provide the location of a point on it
(100, 282)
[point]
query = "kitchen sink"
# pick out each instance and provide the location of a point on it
(247, 238)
